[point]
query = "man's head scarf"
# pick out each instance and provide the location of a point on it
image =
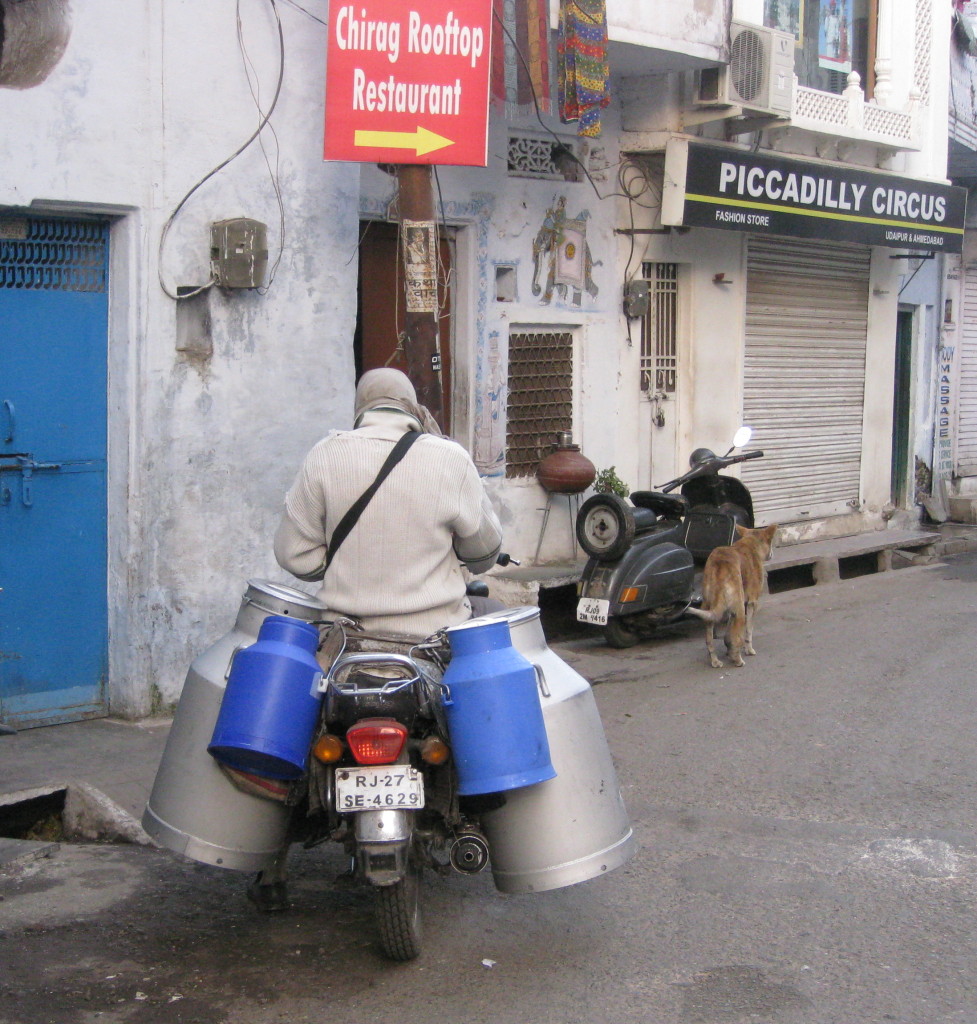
(387, 388)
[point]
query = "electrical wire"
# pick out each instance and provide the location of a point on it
(273, 173)
(564, 148)
(447, 275)
(210, 174)
(307, 13)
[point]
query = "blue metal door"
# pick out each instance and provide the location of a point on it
(53, 550)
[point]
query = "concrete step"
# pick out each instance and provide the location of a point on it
(963, 509)
(789, 568)
(842, 558)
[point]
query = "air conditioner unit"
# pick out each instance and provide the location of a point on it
(759, 77)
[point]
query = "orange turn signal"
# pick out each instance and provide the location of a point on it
(434, 750)
(629, 594)
(328, 748)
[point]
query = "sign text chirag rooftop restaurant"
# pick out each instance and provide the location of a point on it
(408, 83)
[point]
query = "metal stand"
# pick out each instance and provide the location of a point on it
(573, 507)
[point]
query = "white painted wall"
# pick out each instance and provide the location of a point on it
(147, 99)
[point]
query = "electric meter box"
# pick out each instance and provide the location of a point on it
(239, 252)
(637, 298)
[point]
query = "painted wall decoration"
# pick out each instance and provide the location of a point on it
(561, 255)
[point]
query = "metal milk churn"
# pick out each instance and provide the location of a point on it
(492, 707)
(194, 809)
(575, 826)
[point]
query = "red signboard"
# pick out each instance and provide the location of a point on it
(407, 81)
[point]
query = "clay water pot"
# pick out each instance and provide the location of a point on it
(566, 470)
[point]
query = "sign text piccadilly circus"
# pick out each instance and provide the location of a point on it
(408, 82)
(711, 186)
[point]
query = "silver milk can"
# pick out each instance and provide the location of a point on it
(575, 826)
(194, 809)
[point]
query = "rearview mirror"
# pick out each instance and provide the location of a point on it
(742, 436)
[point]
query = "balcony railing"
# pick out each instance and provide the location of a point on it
(850, 116)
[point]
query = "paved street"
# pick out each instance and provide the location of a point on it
(808, 855)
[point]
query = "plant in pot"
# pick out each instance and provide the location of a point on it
(608, 482)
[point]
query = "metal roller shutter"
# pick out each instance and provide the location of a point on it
(804, 375)
(966, 453)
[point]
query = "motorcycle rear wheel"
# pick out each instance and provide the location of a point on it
(398, 914)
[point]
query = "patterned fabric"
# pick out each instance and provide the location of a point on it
(581, 63)
(521, 56)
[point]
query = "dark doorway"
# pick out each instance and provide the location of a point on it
(902, 409)
(380, 314)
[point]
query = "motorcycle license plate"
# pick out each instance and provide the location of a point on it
(593, 610)
(379, 788)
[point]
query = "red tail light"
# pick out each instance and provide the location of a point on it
(376, 740)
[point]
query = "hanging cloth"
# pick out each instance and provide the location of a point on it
(581, 64)
(521, 56)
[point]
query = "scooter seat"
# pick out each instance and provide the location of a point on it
(671, 506)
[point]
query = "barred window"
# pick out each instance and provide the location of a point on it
(540, 400)
(53, 255)
(543, 156)
(659, 329)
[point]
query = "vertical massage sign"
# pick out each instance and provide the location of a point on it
(407, 81)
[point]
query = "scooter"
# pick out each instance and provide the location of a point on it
(640, 573)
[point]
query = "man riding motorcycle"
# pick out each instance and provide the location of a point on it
(395, 568)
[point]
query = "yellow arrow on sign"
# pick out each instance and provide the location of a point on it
(422, 141)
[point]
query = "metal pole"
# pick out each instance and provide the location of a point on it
(419, 255)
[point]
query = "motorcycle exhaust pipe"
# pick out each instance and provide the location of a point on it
(469, 852)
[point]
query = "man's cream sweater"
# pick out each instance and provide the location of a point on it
(398, 569)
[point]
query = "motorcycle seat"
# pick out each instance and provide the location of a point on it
(671, 506)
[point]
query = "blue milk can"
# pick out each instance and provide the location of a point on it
(495, 721)
(271, 704)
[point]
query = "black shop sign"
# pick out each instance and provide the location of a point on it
(723, 187)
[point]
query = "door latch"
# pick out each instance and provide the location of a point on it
(27, 467)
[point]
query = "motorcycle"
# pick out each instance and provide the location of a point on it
(640, 572)
(380, 780)
(375, 767)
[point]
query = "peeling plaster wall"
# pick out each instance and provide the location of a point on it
(143, 104)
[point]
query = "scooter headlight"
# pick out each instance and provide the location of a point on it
(699, 456)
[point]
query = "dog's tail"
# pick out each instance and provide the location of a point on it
(705, 613)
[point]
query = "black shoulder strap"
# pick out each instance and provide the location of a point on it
(355, 510)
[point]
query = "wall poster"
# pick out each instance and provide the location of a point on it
(835, 35)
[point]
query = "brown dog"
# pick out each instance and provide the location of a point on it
(732, 581)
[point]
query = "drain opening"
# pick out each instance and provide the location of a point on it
(39, 818)
(791, 577)
(853, 566)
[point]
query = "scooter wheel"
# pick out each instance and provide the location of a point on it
(619, 634)
(605, 527)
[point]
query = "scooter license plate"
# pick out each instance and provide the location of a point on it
(593, 610)
(380, 787)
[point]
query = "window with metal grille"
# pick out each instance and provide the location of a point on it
(543, 156)
(36, 253)
(540, 402)
(658, 328)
